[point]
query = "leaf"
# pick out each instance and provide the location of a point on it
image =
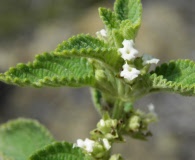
(109, 18)
(128, 9)
(128, 30)
(97, 100)
(90, 47)
(112, 25)
(51, 70)
(175, 76)
(79, 42)
(20, 138)
(60, 151)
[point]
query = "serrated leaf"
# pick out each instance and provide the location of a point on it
(60, 151)
(51, 70)
(176, 76)
(117, 37)
(79, 42)
(20, 138)
(128, 9)
(90, 47)
(111, 23)
(109, 18)
(128, 30)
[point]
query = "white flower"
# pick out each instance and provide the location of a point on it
(128, 52)
(129, 73)
(148, 59)
(106, 144)
(80, 143)
(87, 144)
(102, 33)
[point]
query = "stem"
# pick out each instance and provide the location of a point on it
(118, 109)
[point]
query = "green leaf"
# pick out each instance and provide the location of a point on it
(20, 138)
(112, 26)
(97, 100)
(129, 13)
(60, 151)
(90, 47)
(51, 70)
(80, 42)
(129, 9)
(109, 18)
(175, 76)
(128, 30)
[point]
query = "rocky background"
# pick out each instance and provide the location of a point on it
(34, 26)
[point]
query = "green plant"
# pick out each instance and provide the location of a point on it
(118, 76)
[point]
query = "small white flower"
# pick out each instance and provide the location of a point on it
(102, 33)
(148, 59)
(80, 143)
(129, 73)
(87, 144)
(106, 144)
(128, 52)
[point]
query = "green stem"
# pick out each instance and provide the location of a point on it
(118, 109)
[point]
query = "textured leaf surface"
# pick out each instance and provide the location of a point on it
(51, 70)
(20, 138)
(109, 18)
(177, 76)
(128, 30)
(128, 9)
(80, 42)
(60, 151)
(90, 47)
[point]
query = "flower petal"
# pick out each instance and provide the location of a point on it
(148, 59)
(129, 73)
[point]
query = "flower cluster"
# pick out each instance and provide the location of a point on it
(97, 148)
(107, 128)
(129, 53)
(139, 121)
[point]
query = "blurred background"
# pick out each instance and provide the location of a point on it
(167, 32)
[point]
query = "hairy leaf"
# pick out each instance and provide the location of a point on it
(109, 18)
(90, 47)
(128, 30)
(177, 76)
(112, 25)
(60, 151)
(81, 41)
(20, 138)
(51, 70)
(128, 9)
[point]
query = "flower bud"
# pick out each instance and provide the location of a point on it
(134, 123)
